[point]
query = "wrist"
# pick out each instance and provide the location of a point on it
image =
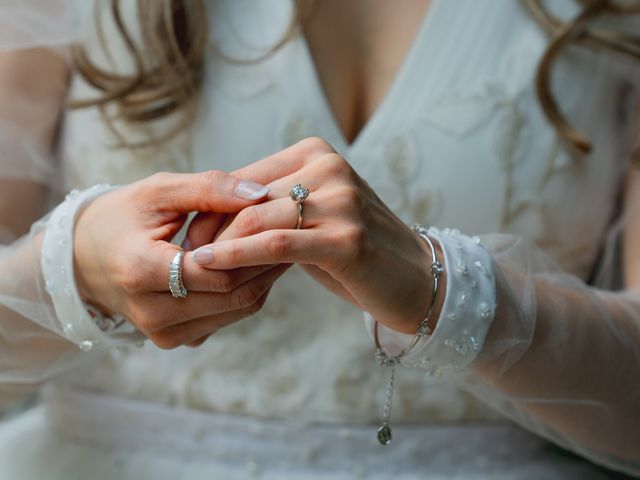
(82, 242)
(58, 268)
(462, 314)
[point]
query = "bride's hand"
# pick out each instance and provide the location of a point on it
(122, 255)
(349, 238)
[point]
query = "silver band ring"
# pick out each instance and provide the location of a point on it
(176, 287)
(299, 194)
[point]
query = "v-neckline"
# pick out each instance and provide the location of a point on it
(396, 89)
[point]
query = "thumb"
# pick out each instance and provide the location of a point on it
(210, 191)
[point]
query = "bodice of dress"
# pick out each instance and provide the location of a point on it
(458, 141)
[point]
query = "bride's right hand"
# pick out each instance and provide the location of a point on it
(122, 253)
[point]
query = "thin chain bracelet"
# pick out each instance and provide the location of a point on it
(423, 329)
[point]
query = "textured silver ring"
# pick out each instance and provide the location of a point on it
(299, 194)
(176, 287)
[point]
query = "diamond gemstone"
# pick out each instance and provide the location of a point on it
(298, 192)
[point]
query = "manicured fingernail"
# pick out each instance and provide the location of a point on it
(250, 190)
(203, 256)
(187, 245)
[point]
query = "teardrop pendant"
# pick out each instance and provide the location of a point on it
(384, 434)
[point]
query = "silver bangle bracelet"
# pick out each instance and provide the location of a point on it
(423, 329)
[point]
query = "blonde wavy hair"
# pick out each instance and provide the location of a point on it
(169, 61)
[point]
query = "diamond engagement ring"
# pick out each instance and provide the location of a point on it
(175, 276)
(299, 194)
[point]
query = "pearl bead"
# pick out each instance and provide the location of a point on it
(86, 345)
(462, 299)
(485, 311)
(461, 268)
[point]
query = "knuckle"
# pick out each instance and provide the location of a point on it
(149, 317)
(127, 272)
(248, 222)
(165, 340)
(198, 343)
(131, 282)
(143, 320)
(157, 178)
(253, 309)
(337, 167)
(246, 296)
(354, 240)
(257, 306)
(233, 253)
(150, 186)
(221, 282)
(351, 197)
(314, 146)
(210, 177)
(278, 244)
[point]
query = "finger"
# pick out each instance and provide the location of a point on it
(321, 177)
(203, 229)
(158, 311)
(210, 281)
(284, 162)
(277, 214)
(151, 273)
(194, 333)
(210, 191)
(273, 246)
(326, 171)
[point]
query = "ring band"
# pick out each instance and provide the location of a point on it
(176, 287)
(299, 194)
(300, 215)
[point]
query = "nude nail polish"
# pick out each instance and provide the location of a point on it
(250, 190)
(203, 256)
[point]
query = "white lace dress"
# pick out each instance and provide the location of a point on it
(458, 141)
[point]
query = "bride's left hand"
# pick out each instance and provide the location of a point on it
(350, 240)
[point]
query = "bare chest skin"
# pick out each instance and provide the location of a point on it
(358, 47)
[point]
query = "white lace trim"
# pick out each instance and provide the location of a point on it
(77, 322)
(467, 312)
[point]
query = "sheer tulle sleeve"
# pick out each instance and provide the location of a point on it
(562, 357)
(556, 354)
(30, 348)
(35, 342)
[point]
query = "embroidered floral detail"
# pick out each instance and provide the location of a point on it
(502, 104)
(459, 114)
(402, 160)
